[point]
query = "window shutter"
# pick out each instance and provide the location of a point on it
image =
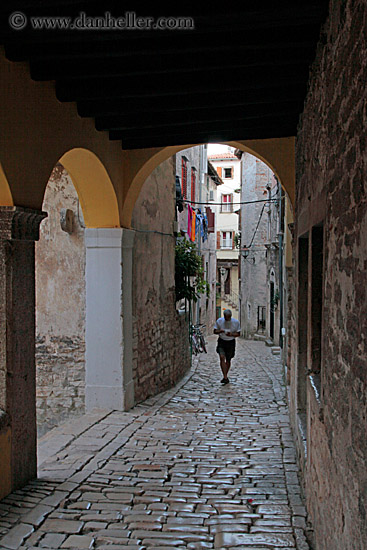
(232, 170)
(233, 233)
(218, 239)
(219, 171)
(193, 185)
(184, 177)
(231, 201)
(211, 219)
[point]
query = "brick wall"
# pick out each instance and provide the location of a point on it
(161, 352)
(331, 160)
(160, 336)
(60, 379)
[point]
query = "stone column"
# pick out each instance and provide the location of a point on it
(104, 337)
(19, 228)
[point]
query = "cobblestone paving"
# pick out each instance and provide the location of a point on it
(201, 466)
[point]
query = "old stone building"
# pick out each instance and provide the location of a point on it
(156, 323)
(99, 106)
(259, 251)
(265, 252)
(328, 345)
(227, 166)
(198, 187)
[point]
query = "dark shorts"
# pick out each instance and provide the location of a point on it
(226, 347)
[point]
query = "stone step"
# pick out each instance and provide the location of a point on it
(275, 350)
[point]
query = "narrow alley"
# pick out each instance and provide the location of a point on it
(199, 466)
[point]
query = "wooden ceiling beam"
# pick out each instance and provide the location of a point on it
(153, 64)
(266, 132)
(136, 106)
(145, 120)
(251, 79)
(192, 128)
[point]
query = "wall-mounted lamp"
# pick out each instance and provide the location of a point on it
(245, 254)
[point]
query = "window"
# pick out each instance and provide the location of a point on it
(228, 172)
(227, 241)
(184, 176)
(227, 205)
(193, 184)
(211, 195)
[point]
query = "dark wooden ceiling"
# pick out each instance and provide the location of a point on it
(241, 73)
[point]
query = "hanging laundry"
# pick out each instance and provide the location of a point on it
(189, 221)
(193, 227)
(199, 219)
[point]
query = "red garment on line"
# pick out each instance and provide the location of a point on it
(189, 221)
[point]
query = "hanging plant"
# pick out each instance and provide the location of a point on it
(190, 282)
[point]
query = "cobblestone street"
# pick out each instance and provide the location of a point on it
(201, 466)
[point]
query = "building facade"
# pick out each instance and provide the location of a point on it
(198, 187)
(260, 249)
(228, 168)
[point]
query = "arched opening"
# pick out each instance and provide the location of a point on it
(6, 198)
(152, 218)
(82, 212)
(278, 154)
(94, 187)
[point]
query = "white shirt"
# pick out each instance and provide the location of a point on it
(229, 326)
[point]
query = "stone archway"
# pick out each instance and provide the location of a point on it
(6, 198)
(102, 280)
(277, 153)
(94, 187)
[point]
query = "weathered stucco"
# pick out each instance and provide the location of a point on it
(60, 303)
(331, 162)
(161, 350)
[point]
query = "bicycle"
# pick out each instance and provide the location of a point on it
(197, 339)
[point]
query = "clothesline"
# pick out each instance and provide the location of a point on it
(197, 223)
(211, 203)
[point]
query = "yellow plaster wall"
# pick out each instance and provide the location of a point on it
(37, 131)
(5, 194)
(5, 468)
(94, 187)
(278, 154)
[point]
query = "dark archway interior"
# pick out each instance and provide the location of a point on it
(238, 74)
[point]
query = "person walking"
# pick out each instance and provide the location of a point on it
(228, 330)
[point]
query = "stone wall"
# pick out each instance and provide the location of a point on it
(263, 255)
(161, 344)
(60, 307)
(331, 160)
